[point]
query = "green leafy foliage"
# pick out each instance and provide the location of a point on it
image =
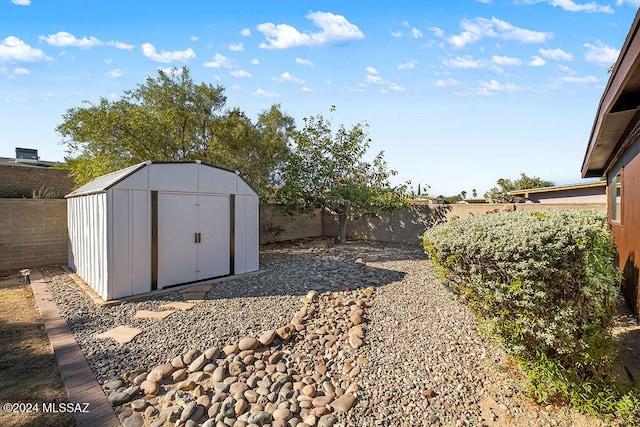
(501, 194)
(327, 170)
(170, 118)
(544, 283)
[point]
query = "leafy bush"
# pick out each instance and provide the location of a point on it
(545, 282)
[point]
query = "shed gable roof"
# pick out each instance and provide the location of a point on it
(105, 182)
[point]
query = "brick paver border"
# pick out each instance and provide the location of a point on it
(79, 380)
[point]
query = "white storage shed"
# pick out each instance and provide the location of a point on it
(155, 225)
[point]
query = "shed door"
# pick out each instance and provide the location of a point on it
(193, 238)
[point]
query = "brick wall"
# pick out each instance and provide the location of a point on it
(33, 232)
(22, 181)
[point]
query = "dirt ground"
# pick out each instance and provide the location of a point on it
(28, 371)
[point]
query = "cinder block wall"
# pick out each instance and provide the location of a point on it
(405, 226)
(278, 227)
(23, 181)
(33, 232)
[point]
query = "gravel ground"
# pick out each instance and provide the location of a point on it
(420, 360)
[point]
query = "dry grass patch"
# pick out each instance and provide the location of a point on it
(29, 373)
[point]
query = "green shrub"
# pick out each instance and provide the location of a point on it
(544, 282)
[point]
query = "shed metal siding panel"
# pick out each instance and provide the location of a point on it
(246, 234)
(130, 237)
(215, 181)
(173, 177)
(87, 240)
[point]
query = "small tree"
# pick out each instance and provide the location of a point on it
(463, 194)
(326, 170)
(474, 193)
(171, 118)
(501, 194)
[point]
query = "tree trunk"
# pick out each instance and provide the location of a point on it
(342, 228)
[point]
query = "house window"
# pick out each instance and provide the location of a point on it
(616, 199)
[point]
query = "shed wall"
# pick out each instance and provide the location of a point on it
(111, 232)
(129, 225)
(246, 234)
(88, 242)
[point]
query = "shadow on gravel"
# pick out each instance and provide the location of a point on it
(295, 269)
(285, 269)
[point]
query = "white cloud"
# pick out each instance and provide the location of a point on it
(438, 32)
(536, 61)
(572, 6)
(555, 54)
(304, 62)
(245, 32)
(377, 80)
(115, 73)
(580, 80)
(601, 54)
(408, 65)
(506, 61)
(120, 45)
(236, 47)
(65, 39)
(416, 33)
(287, 78)
(371, 70)
(485, 1)
(334, 29)
(14, 49)
(307, 89)
(177, 55)
(21, 72)
(476, 29)
(255, 61)
(444, 83)
(220, 61)
(634, 3)
(493, 86)
(21, 2)
(413, 32)
(194, 38)
(241, 74)
(262, 92)
(463, 62)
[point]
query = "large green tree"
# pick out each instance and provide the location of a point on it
(170, 118)
(327, 170)
(501, 194)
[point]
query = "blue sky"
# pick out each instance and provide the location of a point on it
(456, 93)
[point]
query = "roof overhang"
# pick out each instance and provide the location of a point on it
(543, 190)
(619, 109)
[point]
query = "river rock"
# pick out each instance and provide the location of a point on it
(248, 343)
(150, 387)
(267, 337)
(344, 402)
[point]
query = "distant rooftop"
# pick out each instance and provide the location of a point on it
(10, 161)
(587, 184)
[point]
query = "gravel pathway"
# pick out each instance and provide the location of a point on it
(416, 360)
